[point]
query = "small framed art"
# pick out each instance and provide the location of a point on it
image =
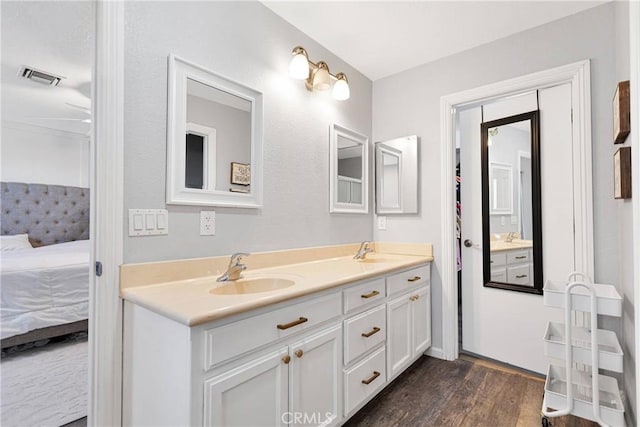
(621, 113)
(240, 173)
(622, 173)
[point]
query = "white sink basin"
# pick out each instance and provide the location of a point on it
(252, 286)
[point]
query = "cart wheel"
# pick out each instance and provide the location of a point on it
(545, 422)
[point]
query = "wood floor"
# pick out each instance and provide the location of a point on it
(465, 392)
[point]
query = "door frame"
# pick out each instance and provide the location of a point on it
(107, 217)
(578, 74)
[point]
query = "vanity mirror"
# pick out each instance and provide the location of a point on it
(214, 139)
(397, 176)
(511, 207)
(348, 171)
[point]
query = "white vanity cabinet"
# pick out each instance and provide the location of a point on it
(512, 266)
(313, 360)
(408, 318)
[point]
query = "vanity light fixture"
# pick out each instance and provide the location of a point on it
(317, 75)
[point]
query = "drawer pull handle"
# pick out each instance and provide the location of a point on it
(299, 353)
(369, 380)
(491, 262)
(292, 324)
(414, 297)
(286, 359)
(521, 257)
(375, 330)
(521, 276)
(414, 278)
(370, 294)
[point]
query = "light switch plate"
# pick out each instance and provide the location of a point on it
(207, 223)
(148, 222)
(382, 223)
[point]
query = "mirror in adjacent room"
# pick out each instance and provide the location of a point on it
(348, 171)
(214, 140)
(397, 176)
(511, 203)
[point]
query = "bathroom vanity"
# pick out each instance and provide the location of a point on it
(306, 343)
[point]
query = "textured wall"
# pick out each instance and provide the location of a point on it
(250, 44)
(409, 103)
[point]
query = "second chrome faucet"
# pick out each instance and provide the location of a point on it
(363, 251)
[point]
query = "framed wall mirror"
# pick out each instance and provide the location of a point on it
(214, 125)
(348, 171)
(511, 203)
(397, 176)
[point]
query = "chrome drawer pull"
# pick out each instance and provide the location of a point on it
(414, 278)
(369, 380)
(292, 324)
(521, 276)
(370, 294)
(375, 330)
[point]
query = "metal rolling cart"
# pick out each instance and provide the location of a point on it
(568, 390)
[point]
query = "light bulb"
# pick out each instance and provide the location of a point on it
(321, 79)
(299, 65)
(341, 90)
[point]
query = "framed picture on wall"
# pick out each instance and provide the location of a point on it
(240, 173)
(621, 113)
(622, 173)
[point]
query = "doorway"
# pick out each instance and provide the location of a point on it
(576, 76)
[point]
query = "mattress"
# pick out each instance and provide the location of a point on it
(43, 287)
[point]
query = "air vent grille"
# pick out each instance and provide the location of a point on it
(39, 76)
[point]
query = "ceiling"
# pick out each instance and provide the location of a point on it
(51, 36)
(381, 38)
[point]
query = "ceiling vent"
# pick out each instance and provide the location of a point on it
(39, 76)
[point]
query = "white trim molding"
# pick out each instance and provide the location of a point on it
(105, 306)
(578, 75)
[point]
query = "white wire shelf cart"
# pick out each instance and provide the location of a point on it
(583, 393)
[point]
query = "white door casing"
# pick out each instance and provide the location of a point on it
(578, 75)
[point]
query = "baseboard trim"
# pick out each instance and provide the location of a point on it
(436, 352)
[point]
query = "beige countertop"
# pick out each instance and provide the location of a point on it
(500, 245)
(190, 302)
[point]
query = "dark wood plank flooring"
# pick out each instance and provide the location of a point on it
(435, 392)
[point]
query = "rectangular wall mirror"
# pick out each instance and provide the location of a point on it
(511, 203)
(397, 176)
(348, 171)
(214, 123)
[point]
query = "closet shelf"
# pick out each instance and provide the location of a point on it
(610, 353)
(609, 300)
(610, 402)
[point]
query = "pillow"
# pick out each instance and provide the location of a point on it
(15, 242)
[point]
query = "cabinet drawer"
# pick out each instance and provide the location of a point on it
(498, 259)
(499, 274)
(518, 257)
(519, 275)
(236, 338)
(408, 279)
(364, 332)
(365, 294)
(363, 380)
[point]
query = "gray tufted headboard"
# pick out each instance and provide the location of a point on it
(47, 213)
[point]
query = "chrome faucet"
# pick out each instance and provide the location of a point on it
(235, 269)
(510, 237)
(363, 251)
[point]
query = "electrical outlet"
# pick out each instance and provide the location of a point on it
(207, 223)
(382, 223)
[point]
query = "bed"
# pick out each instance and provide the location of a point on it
(45, 290)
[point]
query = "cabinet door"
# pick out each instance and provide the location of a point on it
(399, 347)
(421, 320)
(253, 394)
(315, 380)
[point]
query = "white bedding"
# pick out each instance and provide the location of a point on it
(43, 287)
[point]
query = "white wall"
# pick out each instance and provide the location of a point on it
(409, 102)
(250, 44)
(40, 155)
